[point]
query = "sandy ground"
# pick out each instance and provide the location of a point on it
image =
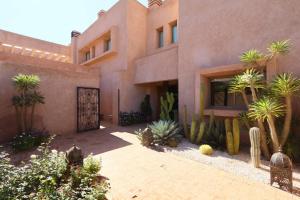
(136, 172)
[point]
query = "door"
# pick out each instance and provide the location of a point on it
(88, 109)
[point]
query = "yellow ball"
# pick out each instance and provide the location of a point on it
(206, 149)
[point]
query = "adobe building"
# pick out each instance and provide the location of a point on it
(132, 50)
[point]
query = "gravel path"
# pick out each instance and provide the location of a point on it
(238, 164)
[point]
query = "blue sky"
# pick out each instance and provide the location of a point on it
(51, 20)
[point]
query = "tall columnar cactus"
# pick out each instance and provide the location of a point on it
(201, 103)
(185, 124)
(211, 122)
(236, 135)
(229, 137)
(166, 106)
(201, 132)
(193, 128)
(255, 146)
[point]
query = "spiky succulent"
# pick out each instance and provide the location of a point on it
(251, 57)
(266, 107)
(279, 47)
(285, 85)
(163, 130)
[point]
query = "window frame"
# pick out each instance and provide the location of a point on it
(160, 37)
(107, 45)
(174, 32)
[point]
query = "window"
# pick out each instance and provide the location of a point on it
(87, 55)
(107, 45)
(220, 96)
(93, 52)
(160, 34)
(174, 32)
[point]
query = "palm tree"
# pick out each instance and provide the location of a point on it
(238, 85)
(286, 85)
(252, 58)
(266, 109)
(26, 86)
(276, 49)
(254, 80)
(35, 98)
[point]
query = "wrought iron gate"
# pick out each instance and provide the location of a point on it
(88, 109)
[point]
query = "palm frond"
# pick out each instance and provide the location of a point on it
(285, 85)
(251, 57)
(279, 47)
(265, 107)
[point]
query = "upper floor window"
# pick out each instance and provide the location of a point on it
(93, 52)
(107, 45)
(174, 32)
(160, 34)
(87, 55)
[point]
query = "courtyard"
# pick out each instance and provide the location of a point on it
(136, 172)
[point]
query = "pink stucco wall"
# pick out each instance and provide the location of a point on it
(214, 33)
(58, 84)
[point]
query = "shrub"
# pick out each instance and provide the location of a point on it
(164, 130)
(206, 149)
(127, 119)
(26, 141)
(145, 136)
(47, 176)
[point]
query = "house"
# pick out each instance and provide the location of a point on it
(171, 45)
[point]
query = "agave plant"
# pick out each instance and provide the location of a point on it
(163, 130)
(286, 85)
(267, 108)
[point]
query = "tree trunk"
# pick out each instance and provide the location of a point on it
(18, 119)
(22, 119)
(263, 134)
(245, 99)
(287, 121)
(25, 119)
(273, 133)
(32, 117)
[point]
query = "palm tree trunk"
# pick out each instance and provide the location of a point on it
(31, 117)
(25, 119)
(245, 99)
(19, 126)
(263, 133)
(287, 121)
(22, 119)
(273, 133)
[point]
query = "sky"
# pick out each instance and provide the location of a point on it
(51, 20)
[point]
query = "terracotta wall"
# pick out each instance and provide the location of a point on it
(58, 85)
(214, 33)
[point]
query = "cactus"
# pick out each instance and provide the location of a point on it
(201, 103)
(211, 122)
(229, 137)
(229, 142)
(236, 135)
(193, 128)
(255, 146)
(227, 125)
(185, 125)
(206, 149)
(201, 132)
(166, 106)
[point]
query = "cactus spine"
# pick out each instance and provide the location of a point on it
(236, 135)
(229, 137)
(255, 146)
(166, 106)
(193, 128)
(185, 125)
(201, 132)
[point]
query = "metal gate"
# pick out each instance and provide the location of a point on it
(88, 109)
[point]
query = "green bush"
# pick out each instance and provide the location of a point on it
(47, 176)
(26, 141)
(163, 130)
